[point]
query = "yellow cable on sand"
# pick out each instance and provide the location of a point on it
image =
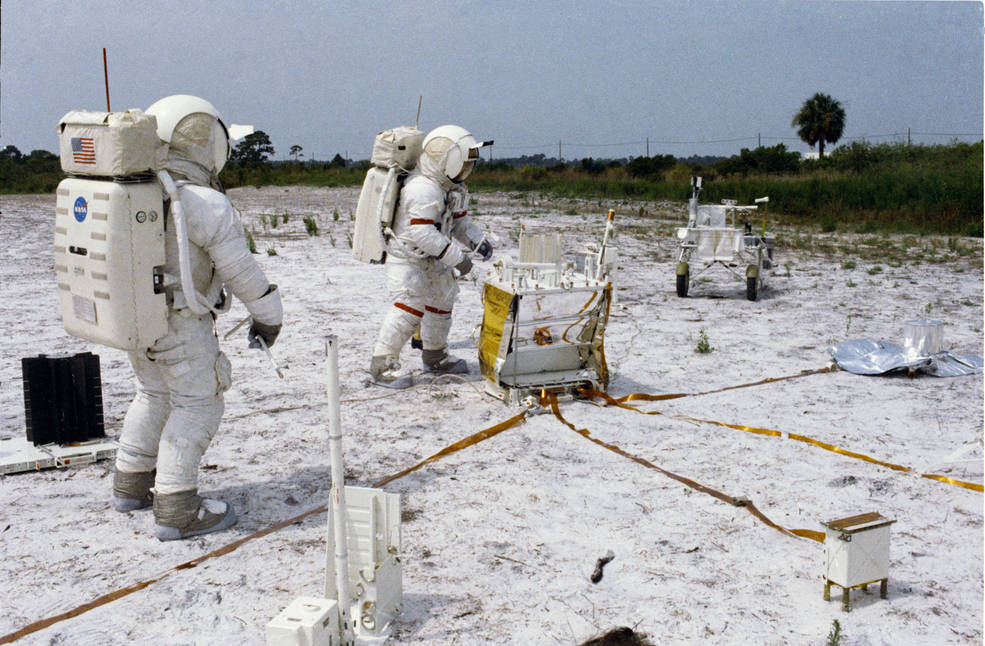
(41, 624)
(620, 403)
(551, 399)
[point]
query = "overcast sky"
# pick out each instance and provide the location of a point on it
(601, 77)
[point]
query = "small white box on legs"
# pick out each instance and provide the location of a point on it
(856, 553)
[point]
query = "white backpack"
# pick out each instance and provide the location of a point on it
(395, 153)
(109, 229)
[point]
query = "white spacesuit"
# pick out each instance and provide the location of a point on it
(431, 216)
(182, 376)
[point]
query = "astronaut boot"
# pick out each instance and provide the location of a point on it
(383, 371)
(184, 514)
(132, 490)
(439, 362)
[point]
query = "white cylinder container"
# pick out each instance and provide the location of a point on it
(922, 338)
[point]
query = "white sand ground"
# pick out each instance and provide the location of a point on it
(499, 539)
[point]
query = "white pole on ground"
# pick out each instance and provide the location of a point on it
(337, 494)
(599, 270)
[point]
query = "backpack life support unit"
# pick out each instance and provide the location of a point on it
(395, 154)
(110, 230)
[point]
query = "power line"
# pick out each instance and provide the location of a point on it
(645, 142)
(623, 143)
(949, 134)
(703, 141)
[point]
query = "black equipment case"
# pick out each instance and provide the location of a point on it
(63, 400)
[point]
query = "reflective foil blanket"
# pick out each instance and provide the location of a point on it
(870, 357)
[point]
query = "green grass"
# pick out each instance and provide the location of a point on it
(704, 346)
(310, 225)
(860, 188)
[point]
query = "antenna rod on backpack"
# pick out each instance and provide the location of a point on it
(418, 121)
(106, 79)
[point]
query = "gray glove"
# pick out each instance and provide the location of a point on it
(485, 250)
(262, 331)
(465, 266)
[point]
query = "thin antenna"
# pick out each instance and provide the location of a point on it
(106, 79)
(419, 100)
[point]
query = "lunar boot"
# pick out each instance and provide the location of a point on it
(184, 514)
(132, 491)
(439, 362)
(384, 371)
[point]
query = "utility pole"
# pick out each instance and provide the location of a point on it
(647, 146)
(759, 140)
(908, 142)
(559, 158)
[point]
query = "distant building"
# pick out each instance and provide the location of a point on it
(811, 154)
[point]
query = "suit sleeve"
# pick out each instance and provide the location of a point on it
(214, 225)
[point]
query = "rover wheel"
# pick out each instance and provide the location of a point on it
(752, 287)
(682, 283)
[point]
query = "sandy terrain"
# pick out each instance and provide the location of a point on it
(499, 539)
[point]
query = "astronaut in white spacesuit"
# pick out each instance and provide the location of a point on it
(182, 376)
(424, 259)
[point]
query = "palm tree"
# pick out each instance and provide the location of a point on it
(821, 119)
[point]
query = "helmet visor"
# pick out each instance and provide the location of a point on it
(468, 165)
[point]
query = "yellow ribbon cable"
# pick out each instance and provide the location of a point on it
(812, 534)
(974, 486)
(619, 402)
(551, 398)
(564, 335)
(738, 427)
(770, 380)
(851, 454)
(471, 440)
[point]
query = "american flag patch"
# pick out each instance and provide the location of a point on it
(83, 150)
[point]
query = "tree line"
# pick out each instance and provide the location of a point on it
(858, 186)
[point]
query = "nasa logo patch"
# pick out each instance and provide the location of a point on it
(80, 209)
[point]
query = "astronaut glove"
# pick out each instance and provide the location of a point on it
(465, 266)
(262, 331)
(485, 250)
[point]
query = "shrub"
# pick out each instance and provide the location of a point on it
(310, 225)
(650, 166)
(591, 166)
(774, 159)
(535, 173)
(703, 347)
